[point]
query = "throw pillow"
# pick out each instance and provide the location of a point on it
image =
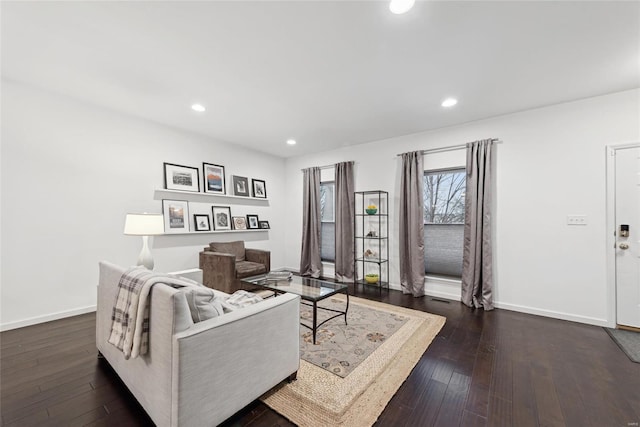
(203, 304)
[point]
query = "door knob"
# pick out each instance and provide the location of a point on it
(623, 246)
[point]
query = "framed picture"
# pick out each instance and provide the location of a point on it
(176, 216)
(252, 222)
(240, 186)
(183, 178)
(221, 217)
(213, 178)
(264, 224)
(259, 188)
(201, 222)
(239, 223)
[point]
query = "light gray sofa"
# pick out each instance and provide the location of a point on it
(200, 374)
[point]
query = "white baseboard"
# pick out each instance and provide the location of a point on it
(553, 314)
(46, 318)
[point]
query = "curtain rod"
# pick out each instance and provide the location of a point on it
(450, 148)
(322, 167)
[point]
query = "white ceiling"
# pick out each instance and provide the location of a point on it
(328, 74)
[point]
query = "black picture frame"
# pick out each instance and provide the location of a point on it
(264, 225)
(221, 217)
(201, 222)
(240, 186)
(213, 178)
(181, 178)
(259, 188)
(252, 222)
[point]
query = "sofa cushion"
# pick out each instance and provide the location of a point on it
(248, 268)
(235, 248)
(203, 303)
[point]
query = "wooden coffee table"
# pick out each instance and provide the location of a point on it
(310, 290)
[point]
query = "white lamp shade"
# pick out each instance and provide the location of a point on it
(143, 224)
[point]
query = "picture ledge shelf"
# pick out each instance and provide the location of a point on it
(215, 232)
(202, 196)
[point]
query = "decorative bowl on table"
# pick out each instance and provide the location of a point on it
(371, 278)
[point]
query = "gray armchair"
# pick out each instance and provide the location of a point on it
(224, 264)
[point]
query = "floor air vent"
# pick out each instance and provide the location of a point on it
(440, 300)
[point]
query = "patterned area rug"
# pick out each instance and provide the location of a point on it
(340, 348)
(320, 398)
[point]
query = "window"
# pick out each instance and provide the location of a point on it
(327, 221)
(444, 221)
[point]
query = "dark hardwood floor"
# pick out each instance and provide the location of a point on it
(497, 368)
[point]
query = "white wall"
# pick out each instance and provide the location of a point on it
(70, 172)
(550, 163)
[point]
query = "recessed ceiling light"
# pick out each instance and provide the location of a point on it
(291, 141)
(199, 108)
(401, 6)
(449, 102)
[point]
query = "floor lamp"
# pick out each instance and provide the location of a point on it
(144, 225)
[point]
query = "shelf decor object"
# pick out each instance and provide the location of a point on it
(145, 225)
(176, 216)
(183, 178)
(371, 278)
(201, 222)
(221, 217)
(371, 240)
(259, 188)
(253, 222)
(213, 175)
(240, 186)
(239, 223)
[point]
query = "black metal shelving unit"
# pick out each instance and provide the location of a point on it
(371, 234)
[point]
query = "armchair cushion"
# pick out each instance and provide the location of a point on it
(248, 268)
(235, 248)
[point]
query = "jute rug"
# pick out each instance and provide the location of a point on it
(318, 398)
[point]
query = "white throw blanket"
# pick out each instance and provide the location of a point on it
(239, 299)
(130, 315)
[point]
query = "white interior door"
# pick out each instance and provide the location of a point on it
(627, 213)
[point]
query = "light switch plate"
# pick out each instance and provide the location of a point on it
(576, 220)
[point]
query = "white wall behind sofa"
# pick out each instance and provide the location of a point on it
(70, 172)
(551, 163)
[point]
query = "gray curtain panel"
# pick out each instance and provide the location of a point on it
(412, 224)
(477, 262)
(310, 262)
(344, 263)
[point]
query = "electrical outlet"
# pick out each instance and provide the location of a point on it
(576, 220)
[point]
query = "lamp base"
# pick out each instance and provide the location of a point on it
(145, 257)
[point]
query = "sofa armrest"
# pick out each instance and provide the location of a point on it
(259, 256)
(218, 271)
(223, 364)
